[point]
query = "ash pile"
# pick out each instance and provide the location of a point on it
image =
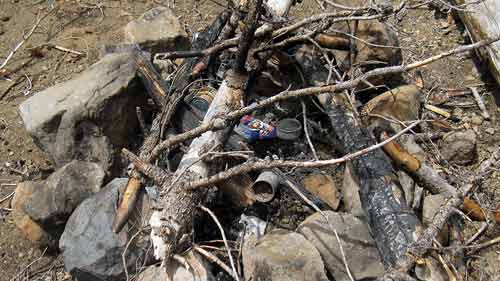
(260, 149)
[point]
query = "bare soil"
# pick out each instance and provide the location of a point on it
(85, 26)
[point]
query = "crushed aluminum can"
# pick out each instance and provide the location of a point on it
(251, 129)
(254, 226)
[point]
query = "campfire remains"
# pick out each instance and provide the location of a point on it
(231, 124)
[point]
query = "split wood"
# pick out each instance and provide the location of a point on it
(212, 215)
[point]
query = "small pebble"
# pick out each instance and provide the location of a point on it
(476, 120)
(490, 131)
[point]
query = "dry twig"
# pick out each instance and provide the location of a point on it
(235, 273)
(26, 37)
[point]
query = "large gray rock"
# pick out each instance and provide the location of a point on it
(199, 271)
(157, 30)
(84, 118)
(90, 249)
(282, 256)
(359, 248)
(459, 147)
(55, 198)
(42, 207)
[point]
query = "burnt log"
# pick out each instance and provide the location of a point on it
(393, 223)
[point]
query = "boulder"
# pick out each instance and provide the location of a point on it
(200, 270)
(90, 249)
(282, 256)
(87, 117)
(359, 247)
(157, 30)
(55, 198)
(459, 147)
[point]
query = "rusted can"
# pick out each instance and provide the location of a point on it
(289, 129)
(203, 99)
(265, 186)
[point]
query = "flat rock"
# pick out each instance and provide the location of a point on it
(350, 193)
(401, 103)
(157, 30)
(55, 198)
(324, 188)
(459, 147)
(87, 117)
(432, 204)
(90, 249)
(200, 270)
(359, 247)
(282, 256)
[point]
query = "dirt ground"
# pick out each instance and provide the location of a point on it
(85, 26)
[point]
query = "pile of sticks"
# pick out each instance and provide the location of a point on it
(246, 37)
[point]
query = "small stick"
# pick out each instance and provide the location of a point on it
(437, 110)
(7, 197)
(25, 38)
(307, 132)
(124, 257)
(214, 259)
(484, 245)
(235, 274)
(29, 265)
(129, 198)
(60, 48)
(480, 103)
(142, 122)
(478, 234)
